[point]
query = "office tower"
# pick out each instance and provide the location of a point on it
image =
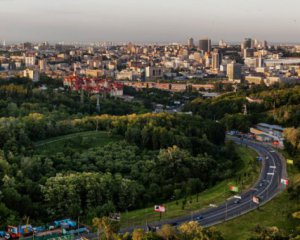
(234, 71)
(247, 43)
(191, 43)
(264, 44)
(255, 43)
(205, 45)
(215, 60)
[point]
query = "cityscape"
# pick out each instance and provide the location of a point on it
(252, 62)
(123, 120)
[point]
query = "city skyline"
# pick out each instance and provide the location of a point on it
(152, 21)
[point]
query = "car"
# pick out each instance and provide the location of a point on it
(237, 201)
(200, 217)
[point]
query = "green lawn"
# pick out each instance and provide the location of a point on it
(214, 195)
(78, 141)
(275, 213)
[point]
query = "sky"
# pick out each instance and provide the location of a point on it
(149, 21)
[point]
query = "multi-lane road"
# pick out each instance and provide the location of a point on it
(267, 187)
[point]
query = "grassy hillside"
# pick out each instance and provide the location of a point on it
(78, 141)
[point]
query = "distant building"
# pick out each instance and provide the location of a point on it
(154, 72)
(191, 43)
(94, 85)
(32, 74)
(205, 45)
(254, 79)
(260, 62)
(264, 44)
(234, 71)
(280, 79)
(215, 60)
(94, 72)
(222, 44)
(247, 43)
(42, 64)
(30, 61)
(248, 52)
(128, 75)
(251, 62)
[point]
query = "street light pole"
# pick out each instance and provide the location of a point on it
(226, 211)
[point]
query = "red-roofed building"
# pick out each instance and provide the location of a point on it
(94, 85)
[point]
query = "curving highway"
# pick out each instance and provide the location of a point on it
(266, 188)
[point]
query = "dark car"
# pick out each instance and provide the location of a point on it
(200, 217)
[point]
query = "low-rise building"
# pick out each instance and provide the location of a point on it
(32, 74)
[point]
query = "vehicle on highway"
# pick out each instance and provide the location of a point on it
(200, 217)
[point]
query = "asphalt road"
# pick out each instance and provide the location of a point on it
(267, 187)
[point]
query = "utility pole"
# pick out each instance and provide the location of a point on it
(98, 103)
(226, 211)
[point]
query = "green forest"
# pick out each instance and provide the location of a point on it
(60, 157)
(149, 159)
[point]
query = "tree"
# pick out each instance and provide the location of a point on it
(193, 231)
(106, 226)
(138, 234)
(167, 232)
(293, 136)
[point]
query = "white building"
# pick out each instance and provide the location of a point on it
(30, 61)
(154, 72)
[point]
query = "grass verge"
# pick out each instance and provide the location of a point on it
(275, 213)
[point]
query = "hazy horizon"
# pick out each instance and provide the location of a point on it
(150, 21)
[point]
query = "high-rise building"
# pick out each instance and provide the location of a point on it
(215, 60)
(205, 45)
(191, 43)
(247, 43)
(234, 71)
(264, 44)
